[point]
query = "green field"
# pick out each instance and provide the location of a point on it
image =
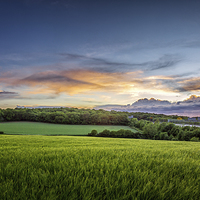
(90, 168)
(36, 128)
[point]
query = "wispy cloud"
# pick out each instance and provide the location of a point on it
(8, 95)
(75, 61)
(189, 85)
(85, 74)
(71, 82)
(79, 81)
(86, 81)
(104, 65)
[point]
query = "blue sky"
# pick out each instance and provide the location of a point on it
(88, 53)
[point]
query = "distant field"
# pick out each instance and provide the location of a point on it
(88, 168)
(36, 128)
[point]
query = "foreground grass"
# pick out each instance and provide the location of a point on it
(42, 167)
(36, 128)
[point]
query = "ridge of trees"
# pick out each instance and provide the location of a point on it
(65, 116)
(79, 116)
(154, 131)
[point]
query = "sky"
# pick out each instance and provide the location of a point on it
(86, 53)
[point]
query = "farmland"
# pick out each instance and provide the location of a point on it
(36, 128)
(68, 167)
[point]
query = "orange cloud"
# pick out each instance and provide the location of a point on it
(79, 81)
(192, 84)
(87, 81)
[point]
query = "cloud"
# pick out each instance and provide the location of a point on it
(52, 83)
(165, 61)
(82, 81)
(86, 81)
(188, 107)
(14, 95)
(151, 102)
(98, 64)
(188, 84)
(103, 65)
(99, 75)
(192, 99)
(8, 95)
(50, 77)
(70, 82)
(180, 83)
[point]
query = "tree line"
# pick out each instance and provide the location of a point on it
(155, 117)
(156, 131)
(65, 116)
(79, 116)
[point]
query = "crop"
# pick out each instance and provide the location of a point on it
(69, 167)
(36, 128)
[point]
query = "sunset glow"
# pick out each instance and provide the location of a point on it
(94, 53)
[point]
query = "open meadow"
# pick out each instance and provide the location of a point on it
(37, 128)
(68, 167)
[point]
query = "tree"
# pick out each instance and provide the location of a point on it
(162, 126)
(93, 133)
(1, 116)
(142, 124)
(150, 130)
(104, 133)
(134, 122)
(59, 119)
(164, 136)
(174, 131)
(169, 127)
(8, 114)
(197, 133)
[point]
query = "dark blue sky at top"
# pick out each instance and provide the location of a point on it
(63, 26)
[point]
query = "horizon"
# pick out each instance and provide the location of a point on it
(88, 53)
(104, 104)
(151, 105)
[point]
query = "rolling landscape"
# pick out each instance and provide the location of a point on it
(97, 155)
(99, 100)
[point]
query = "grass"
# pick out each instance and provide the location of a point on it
(36, 128)
(87, 168)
